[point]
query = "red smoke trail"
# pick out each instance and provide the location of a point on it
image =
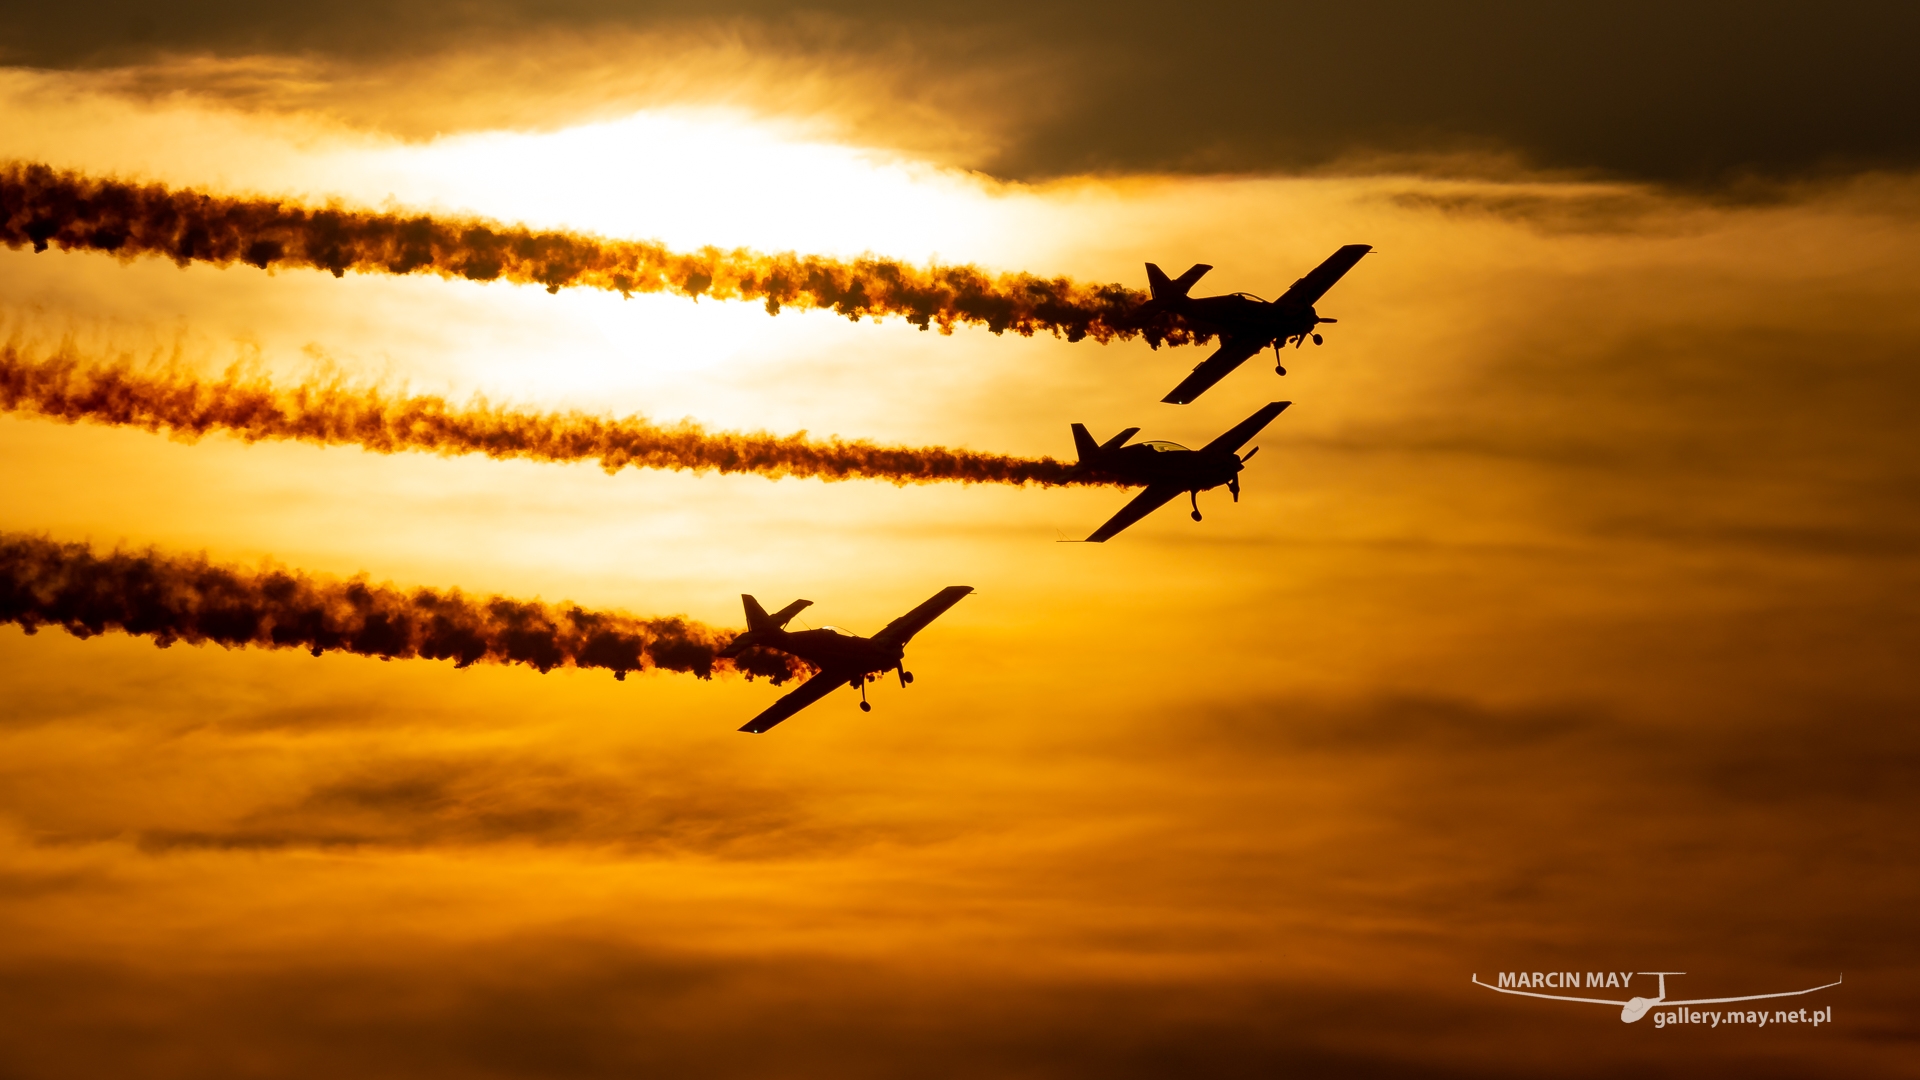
(334, 414)
(44, 207)
(184, 598)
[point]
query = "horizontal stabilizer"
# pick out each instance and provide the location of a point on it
(785, 614)
(740, 644)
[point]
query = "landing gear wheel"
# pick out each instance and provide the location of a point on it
(1278, 370)
(864, 707)
(906, 676)
(1194, 497)
(1317, 341)
(1196, 515)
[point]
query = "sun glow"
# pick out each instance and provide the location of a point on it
(688, 176)
(697, 178)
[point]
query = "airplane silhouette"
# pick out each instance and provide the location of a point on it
(1634, 1008)
(1246, 324)
(1167, 468)
(842, 657)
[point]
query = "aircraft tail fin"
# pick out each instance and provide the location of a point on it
(1163, 288)
(758, 619)
(759, 623)
(1083, 443)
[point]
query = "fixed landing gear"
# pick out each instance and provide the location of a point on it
(1233, 486)
(1278, 367)
(861, 682)
(905, 678)
(1195, 496)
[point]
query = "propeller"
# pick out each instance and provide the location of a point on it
(1233, 482)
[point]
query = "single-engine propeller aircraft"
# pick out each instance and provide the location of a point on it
(1636, 1007)
(1167, 468)
(1246, 324)
(844, 659)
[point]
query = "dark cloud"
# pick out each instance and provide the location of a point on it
(464, 800)
(1712, 93)
(1554, 210)
(1740, 837)
(1758, 411)
(556, 1004)
(1312, 906)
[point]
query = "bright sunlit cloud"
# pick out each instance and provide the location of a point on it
(690, 177)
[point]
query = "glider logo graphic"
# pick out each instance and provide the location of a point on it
(1512, 982)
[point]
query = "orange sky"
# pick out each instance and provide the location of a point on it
(1565, 622)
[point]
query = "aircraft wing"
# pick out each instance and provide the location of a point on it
(1155, 497)
(1308, 290)
(1238, 435)
(901, 630)
(822, 684)
(1231, 354)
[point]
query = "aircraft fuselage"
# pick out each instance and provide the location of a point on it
(1245, 317)
(1144, 463)
(830, 649)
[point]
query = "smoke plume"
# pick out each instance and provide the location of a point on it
(185, 598)
(45, 207)
(64, 387)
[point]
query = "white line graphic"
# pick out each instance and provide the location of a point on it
(1635, 1008)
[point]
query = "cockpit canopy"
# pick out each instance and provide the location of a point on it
(841, 630)
(1161, 446)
